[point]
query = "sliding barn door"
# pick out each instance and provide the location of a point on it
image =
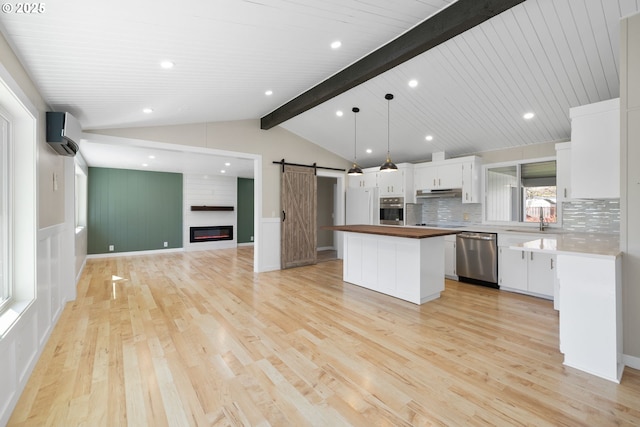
(298, 199)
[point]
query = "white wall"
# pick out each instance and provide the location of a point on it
(630, 185)
(44, 275)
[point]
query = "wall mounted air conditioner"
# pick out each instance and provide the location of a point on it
(63, 133)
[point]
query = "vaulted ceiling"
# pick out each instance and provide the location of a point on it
(101, 61)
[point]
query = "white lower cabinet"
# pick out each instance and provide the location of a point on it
(512, 269)
(541, 274)
(450, 257)
(524, 271)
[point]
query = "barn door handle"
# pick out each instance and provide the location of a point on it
(284, 216)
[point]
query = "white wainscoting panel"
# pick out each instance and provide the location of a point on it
(269, 244)
(23, 342)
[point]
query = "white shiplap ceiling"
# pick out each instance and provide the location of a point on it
(100, 61)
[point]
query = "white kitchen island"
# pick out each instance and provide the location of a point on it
(588, 274)
(403, 262)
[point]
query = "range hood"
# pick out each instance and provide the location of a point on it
(429, 194)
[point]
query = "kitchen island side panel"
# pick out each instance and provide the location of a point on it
(590, 314)
(405, 268)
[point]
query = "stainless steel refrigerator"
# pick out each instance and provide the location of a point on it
(363, 206)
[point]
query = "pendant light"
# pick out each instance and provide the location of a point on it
(388, 165)
(355, 169)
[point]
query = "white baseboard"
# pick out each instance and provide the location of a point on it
(246, 244)
(327, 248)
(84, 263)
(631, 361)
(120, 254)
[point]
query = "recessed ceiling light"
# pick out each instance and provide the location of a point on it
(269, 93)
(429, 137)
(152, 156)
(336, 44)
(145, 165)
(339, 113)
(369, 151)
(528, 116)
(223, 171)
(227, 164)
(167, 64)
(147, 110)
(413, 83)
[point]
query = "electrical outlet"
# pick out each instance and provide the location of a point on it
(166, 244)
(111, 248)
(252, 238)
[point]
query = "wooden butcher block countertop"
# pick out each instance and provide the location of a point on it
(390, 230)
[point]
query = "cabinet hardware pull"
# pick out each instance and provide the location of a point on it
(434, 182)
(565, 193)
(522, 254)
(284, 216)
(551, 263)
(531, 256)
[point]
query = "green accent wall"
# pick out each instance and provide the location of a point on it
(244, 233)
(133, 210)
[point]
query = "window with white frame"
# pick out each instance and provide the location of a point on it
(80, 198)
(522, 191)
(5, 229)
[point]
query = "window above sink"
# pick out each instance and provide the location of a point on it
(521, 192)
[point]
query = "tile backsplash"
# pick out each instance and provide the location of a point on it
(451, 210)
(591, 216)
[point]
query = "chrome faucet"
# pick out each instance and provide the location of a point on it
(542, 223)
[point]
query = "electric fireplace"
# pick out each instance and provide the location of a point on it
(211, 233)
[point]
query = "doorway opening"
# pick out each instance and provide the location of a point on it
(326, 215)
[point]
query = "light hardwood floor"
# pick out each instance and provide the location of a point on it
(197, 338)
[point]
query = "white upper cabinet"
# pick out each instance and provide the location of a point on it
(438, 175)
(450, 176)
(391, 183)
(423, 175)
(366, 180)
(398, 183)
(471, 180)
(595, 150)
(563, 171)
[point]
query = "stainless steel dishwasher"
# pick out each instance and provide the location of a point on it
(477, 258)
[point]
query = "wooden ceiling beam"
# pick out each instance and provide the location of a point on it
(446, 24)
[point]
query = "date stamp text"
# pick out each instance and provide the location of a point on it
(23, 8)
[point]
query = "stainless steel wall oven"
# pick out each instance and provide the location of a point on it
(392, 210)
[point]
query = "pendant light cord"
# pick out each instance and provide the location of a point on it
(355, 135)
(388, 126)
